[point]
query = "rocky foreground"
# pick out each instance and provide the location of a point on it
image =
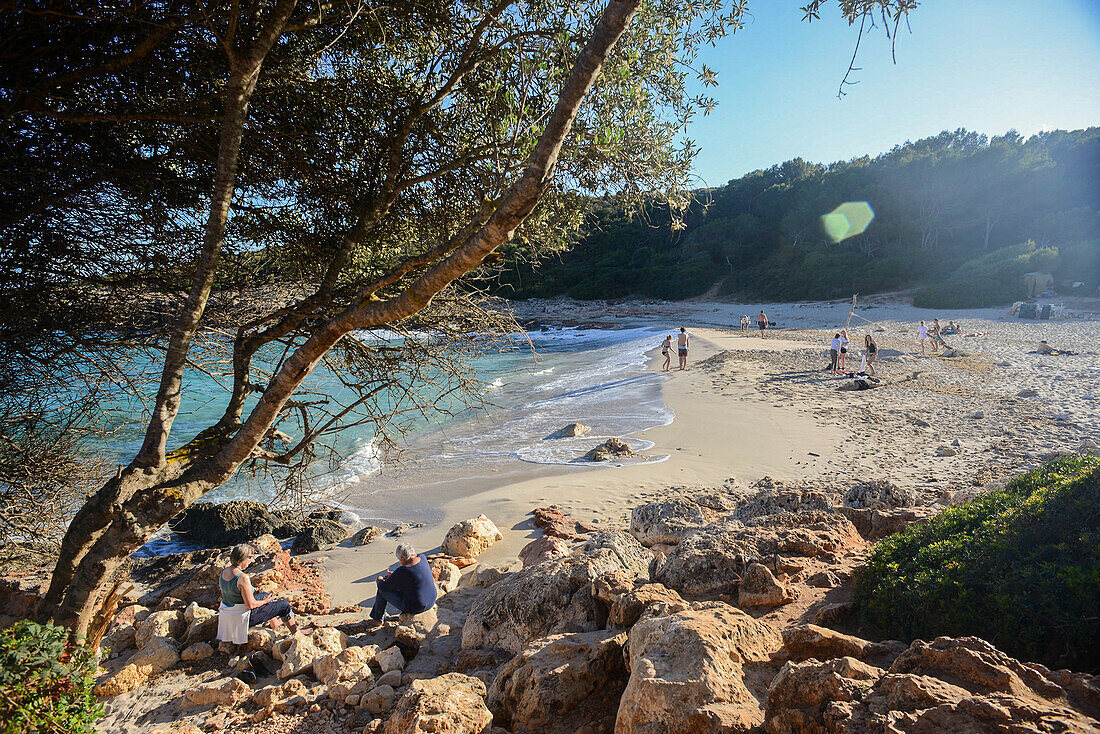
(725, 610)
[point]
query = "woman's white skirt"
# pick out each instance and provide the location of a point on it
(233, 623)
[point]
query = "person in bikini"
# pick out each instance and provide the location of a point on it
(666, 352)
(872, 353)
(682, 347)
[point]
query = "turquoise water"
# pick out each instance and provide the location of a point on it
(595, 376)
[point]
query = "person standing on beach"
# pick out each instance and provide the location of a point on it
(834, 353)
(922, 334)
(872, 353)
(762, 322)
(934, 332)
(666, 351)
(682, 347)
(843, 348)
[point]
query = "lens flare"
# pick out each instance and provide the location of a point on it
(847, 220)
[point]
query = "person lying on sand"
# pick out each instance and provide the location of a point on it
(240, 607)
(410, 588)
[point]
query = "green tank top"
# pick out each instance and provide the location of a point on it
(231, 595)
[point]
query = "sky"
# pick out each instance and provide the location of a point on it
(986, 65)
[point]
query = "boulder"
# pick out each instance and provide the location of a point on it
(759, 588)
(687, 672)
(299, 652)
(810, 641)
(709, 562)
(378, 700)
(543, 548)
(128, 678)
(225, 524)
(654, 599)
(667, 521)
(570, 430)
(367, 535)
(159, 654)
(390, 659)
(262, 639)
(470, 537)
(121, 638)
(226, 692)
(554, 522)
(610, 449)
(946, 451)
(560, 683)
(132, 614)
(948, 685)
(483, 577)
(446, 575)
(392, 679)
(554, 596)
(802, 692)
(198, 651)
(452, 703)
(351, 664)
(168, 623)
(878, 494)
(318, 534)
(203, 629)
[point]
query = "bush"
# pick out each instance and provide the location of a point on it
(1018, 567)
(45, 683)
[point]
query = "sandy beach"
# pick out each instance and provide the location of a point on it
(749, 407)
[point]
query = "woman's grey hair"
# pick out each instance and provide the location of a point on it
(405, 552)
(241, 552)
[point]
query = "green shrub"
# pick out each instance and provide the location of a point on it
(45, 683)
(995, 279)
(1018, 567)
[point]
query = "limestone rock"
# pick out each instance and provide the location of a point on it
(655, 599)
(159, 654)
(667, 521)
(799, 696)
(543, 548)
(351, 664)
(220, 525)
(609, 449)
(390, 659)
(556, 523)
(261, 638)
(451, 703)
(572, 675)
(392, 679)
(227, 692)
(378, 700)
(121, 638)
(168, 623)
(570, 430)
(132, 614)
(128, 678)
(554, 596)
(687, 672)
(947, 451)
(759, 588)
(319, 534)
(198, 651)
(367, 535)
(299, 652)
(203, 629)
(446, 575)
(810, 641)
(878, 494)
(470, 537)
(483, 576)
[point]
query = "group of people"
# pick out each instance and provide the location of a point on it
(838, 353)
(408, 589)
(934, 332)
(762, 322)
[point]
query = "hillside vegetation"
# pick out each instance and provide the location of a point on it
(959, 217)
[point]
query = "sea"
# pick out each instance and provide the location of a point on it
(545, 380)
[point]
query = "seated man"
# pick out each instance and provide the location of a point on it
(410, 588)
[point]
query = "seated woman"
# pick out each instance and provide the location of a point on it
(240, 607)
(410, 588)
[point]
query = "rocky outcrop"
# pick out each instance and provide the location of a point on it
(450, 704)
(367, 535)
(225, 524)
(300, 651)
(446, 575)
(226, 692)
(879, 494)
(612, 448)
(319, 534)
(552, 521)
(561, 683)
(570, 430)
(543, 548)
(875, 524)
(948, 685)
(688, 672)
(554, 596)
(759, 588)
(470, 537)
(668, 521)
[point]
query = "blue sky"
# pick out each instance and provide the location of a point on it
(986, 65)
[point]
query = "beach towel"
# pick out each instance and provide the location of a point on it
(863, 364)
(233, 623)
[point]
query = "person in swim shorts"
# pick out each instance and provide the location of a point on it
(761, 323)
(682, 347)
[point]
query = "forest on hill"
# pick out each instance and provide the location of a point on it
(958, 218)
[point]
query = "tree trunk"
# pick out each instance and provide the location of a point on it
(127, 511)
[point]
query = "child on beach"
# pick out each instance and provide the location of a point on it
(682, 347)
(843, 348)
(666, 351)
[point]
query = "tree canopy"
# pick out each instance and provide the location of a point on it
(952, 216)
